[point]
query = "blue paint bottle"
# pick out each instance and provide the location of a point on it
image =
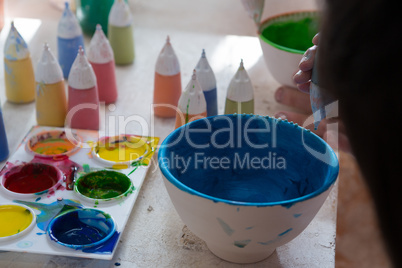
(207, 80)
(3, 140)
(69, 39)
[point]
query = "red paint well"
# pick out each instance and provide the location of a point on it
(31, 178)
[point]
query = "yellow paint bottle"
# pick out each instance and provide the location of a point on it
(18, 69)
(51, 103)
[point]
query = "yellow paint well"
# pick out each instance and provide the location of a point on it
(14, 219)
(122, 148)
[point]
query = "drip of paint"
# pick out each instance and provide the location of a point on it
(123, 148)
(49, 211)
(15, 47)
(51, 102)
(100, 55)
(120, 32)
(81, 228)
(104, 184)
(69, 39)
(14, 219)
(167, 83)
(83, 100)
(192, 104)
(291, 33)
(18, 69)
(206, 78)
(31, 178)
(240, 93)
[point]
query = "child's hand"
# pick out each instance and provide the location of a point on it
(303, 76)
(301, 101)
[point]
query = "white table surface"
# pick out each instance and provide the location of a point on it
(155, 236)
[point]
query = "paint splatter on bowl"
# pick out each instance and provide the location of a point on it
(104, 186)
(54, 143)
(81, 228)
(121, 151)
(284, 38)
(31, 179)
(246, 184)
(15, 221)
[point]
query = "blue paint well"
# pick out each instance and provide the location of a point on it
(3, 140)
(298, 177)
(212, 102)
(82, 228)
(297, 215)
(67, 50)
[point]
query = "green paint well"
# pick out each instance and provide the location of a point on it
(104, 184)
(292, 35)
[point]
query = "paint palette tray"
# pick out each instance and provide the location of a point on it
(63, 199)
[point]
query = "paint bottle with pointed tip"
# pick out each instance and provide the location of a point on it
(167, 83)
(51, 102)
(120, 32)
(18, 70)
(192, 104)
(83, 100)
(206, 78)
(240, 94)
(69, 39)
(100, 56)
(93, 12)
(3, 139)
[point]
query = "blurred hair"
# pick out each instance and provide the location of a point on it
(360, 64)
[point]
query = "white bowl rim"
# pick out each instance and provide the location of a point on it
(332, 173)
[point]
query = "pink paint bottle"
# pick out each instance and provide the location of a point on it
(83, 100)
(100, 56)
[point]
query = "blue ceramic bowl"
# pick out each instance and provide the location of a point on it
(246, 184)
(81, 228)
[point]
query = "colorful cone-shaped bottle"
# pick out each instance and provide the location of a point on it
(120, 32)
(51, 103)
(100, 56)
(93, 12)
(240, 94)
(3, 140)
(83, 100)
(18, 70)
(192, 104)
(69, 39)
(206, 78)
(167, 83)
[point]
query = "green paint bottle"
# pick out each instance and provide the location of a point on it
(240, 94)
(93, 12)
(120, 33)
